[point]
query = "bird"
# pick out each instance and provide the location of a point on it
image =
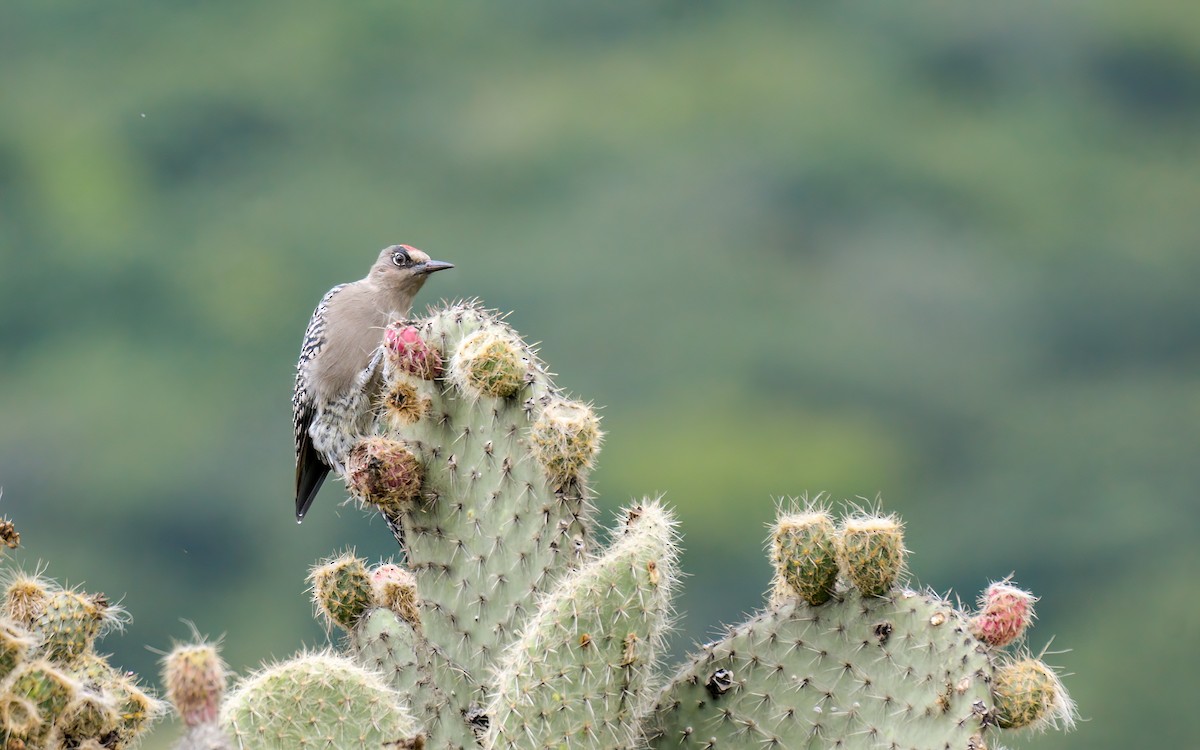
(339, 358)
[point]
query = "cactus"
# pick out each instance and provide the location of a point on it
(316, 701)
(503, 628)
(55, 691)
(582, 673)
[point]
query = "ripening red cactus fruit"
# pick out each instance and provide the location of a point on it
(194, 675)
(1004, 613)
(409, 353)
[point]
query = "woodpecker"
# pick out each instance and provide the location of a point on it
(339, 361)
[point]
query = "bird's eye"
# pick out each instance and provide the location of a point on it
(400, 258)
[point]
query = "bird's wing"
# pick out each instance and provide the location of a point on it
(311, 468)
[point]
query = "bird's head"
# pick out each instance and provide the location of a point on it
(402, 269)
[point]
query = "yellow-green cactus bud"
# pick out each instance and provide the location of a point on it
(871, 552)
(566, 438)
(489, 363)
(25, 598)
(1004, 613)
(341, 590)
(1029, 695)
(804, 555)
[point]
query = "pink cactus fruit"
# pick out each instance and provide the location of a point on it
(194, 675)
(1004, 613)
(408, 352)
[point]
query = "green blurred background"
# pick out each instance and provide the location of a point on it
(942, 254)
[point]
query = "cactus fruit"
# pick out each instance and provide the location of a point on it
(316, 701)
(871, 552)
(1004, 613)
(1030, 695)
(804, 555)
(25, 598)
(408, 352)
(489, 363)
(566, 438)
(384, 473)
(341, 590)
(194, 676)
(395, 588)
(582, 673)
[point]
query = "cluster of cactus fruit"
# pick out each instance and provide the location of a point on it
(56, 692)
(505, 626)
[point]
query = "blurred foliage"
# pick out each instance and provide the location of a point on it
(946, 255)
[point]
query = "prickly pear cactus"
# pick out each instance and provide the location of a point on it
(317, 701)
(504, 629)
(55, 691)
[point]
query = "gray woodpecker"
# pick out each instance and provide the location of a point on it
(339, 360)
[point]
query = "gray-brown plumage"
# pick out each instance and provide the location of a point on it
(339, 358)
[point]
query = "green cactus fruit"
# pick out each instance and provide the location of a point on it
(1029, 695)
(566, 438)
(194, 676)
(804, 556)
(48, 689)
(491, 532)
(25, 598)
(341, 590)
(489, 363)
(70, 624)
(860, 671)
(1004, 613)
(408, 352)
(316, 701)
(871, 552)
(384, 473)
(395, 588)
(580, 674)
(15, 645)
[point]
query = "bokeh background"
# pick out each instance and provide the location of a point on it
(943, 255)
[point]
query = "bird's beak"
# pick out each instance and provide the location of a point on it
(430, 266)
